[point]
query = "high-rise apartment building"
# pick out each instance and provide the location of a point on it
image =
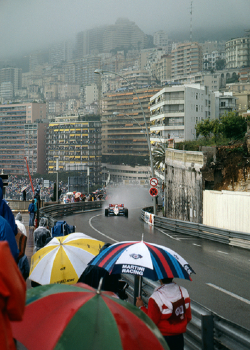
(61, 52)
(76, 143)
(123, 34)
(13, 76)
(175, 111)
(186, 59)
(21, 135)
(238, 52)
(161, 69)
(6, 92)
(161, 39)
(123, 128)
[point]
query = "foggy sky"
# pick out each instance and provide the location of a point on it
(26, 25)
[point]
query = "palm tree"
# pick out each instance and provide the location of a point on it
(159, 155)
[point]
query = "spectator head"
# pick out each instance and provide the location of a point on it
(166, 280)
(19, 217)
(43, 222)
(106, 245)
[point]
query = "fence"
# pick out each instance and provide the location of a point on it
(207, 330)
(58, 210)
(234, 238)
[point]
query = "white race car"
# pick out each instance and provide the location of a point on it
(116, 209)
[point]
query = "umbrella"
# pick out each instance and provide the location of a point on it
(24, 188)
(79, 317)
(63, 259)
(78, 194)
(143, 259)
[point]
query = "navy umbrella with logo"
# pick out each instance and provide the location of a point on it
(143, 259)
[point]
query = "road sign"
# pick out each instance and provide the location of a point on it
(46, 183)
(153, 191)
(153, 181)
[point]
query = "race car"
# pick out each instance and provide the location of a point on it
(116, 209)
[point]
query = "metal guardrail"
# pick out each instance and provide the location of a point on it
(234, 238)
(58, 210)
(207, 330)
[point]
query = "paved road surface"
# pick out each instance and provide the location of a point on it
(222, 280)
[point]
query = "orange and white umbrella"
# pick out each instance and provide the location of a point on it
(63, 259)
(78, 194)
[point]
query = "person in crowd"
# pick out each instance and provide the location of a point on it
(35, 206)
(31, 210)
(5, 210)
(169, 308)
(24, 195)
(92, 275)
(6, 234)
(12, 296)
(41, 234)
(20, 225)
(24, 266)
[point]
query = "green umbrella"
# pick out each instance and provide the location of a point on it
(77, 316)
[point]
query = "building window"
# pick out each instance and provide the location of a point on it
(196, 108)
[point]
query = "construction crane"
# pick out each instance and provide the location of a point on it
(27, 165)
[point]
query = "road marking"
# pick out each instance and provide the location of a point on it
(197, 245)
(103, 234)
(219, 251)
(229, 293)
(177, 239)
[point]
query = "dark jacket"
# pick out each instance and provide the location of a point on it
(5, 210)
(31, 208)
(24, 267)
(92, 275)
(6, 234)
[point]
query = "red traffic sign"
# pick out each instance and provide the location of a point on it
(153, 192)
(153, 181)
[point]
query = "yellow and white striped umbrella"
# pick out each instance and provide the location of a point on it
(63, 259)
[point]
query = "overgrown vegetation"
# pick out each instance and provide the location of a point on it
(228, 129)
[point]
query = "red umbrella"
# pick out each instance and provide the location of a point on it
(60, 316)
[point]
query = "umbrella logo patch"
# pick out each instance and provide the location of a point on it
(135, 256)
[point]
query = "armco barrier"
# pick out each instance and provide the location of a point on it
(234, 238)
(207, 330)
(58, 210)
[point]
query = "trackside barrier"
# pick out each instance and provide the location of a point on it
(233, 238)
(58, 210)
(207, 330)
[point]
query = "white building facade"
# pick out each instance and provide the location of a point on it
(175, 111)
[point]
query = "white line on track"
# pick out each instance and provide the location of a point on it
(177, 239)
(197, 245)
(229, 293)
(103, 234)
(219, 251)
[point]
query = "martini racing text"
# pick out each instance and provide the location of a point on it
(135, 270)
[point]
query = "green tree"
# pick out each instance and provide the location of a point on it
(220, 64)
(216, 128)
(233, 126)
(204, 128)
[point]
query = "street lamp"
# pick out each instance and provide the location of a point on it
(102, 72)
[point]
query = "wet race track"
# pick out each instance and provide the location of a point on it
(221, 282)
